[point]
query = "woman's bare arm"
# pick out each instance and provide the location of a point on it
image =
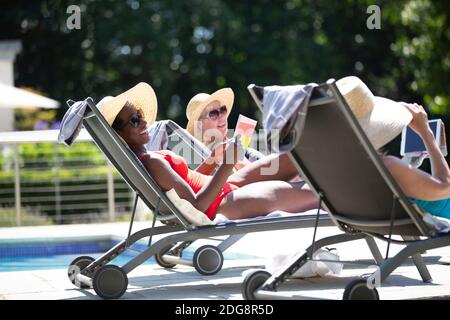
(207, 167)
(167, 179)
(415, 182)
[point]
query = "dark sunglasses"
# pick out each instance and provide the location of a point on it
(214, 114)
(135, 119)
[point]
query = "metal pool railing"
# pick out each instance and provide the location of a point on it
(43, 182)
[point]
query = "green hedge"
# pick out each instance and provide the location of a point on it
(8, 218)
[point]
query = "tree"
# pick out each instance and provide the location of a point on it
(185, 47)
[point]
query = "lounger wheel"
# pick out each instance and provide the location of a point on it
(358, 290)
(207, 260)
(110, 282)
(252, 282)
(161, 262)
(75, 267)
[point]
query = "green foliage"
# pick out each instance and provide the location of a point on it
(29, 119)
(185, 47)
(49, 155)
(8, 218)
(423, 48)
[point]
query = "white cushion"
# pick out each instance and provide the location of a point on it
(189, 212)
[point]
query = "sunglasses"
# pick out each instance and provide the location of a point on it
(135, 119)
(214, 114)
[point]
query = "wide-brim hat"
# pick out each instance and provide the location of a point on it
(199, 102)
(142, 96)
(381, 119)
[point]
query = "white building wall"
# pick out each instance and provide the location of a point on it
(6, 76)
(8, 52)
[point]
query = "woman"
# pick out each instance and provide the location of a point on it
(208, 122)
(430, 192)
(382, 120)
(245, 194)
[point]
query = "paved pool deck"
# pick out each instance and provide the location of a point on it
(152, 282)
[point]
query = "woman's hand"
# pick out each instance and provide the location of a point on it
(241, 164)
(419, 123)
(217, 153)
(234, 151)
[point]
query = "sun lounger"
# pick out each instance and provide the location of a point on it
(336, 159)
(110, 281)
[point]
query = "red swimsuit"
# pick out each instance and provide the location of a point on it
(194, 179)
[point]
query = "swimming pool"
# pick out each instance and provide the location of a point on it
(38, 254)
(8, 264)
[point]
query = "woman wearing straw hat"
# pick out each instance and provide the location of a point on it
(244, 194)
(382, 120)
(208, 122)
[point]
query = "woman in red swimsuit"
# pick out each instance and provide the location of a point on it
(255, 190)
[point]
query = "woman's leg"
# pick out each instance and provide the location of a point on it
(261, 198)
(272, 167)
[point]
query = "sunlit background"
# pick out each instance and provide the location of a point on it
(185, 47)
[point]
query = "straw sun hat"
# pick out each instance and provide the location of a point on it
(142, 96)
(199, 102)
(381, 119)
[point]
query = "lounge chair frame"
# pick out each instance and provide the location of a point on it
(329, 117)
(111, 281)
(179, 233)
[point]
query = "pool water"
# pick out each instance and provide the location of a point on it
(60, 261)
(38, 255)
(23, 255)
